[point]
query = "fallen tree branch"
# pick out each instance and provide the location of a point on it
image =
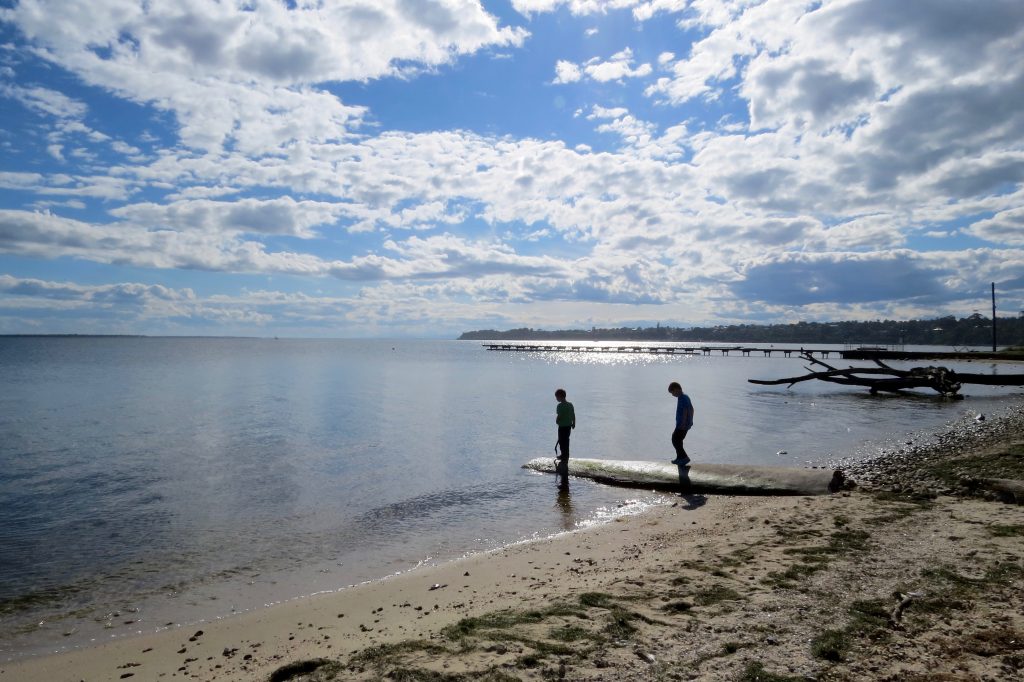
(944, 381)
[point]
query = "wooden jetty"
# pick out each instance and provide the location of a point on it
(656, 350)
(859, 353)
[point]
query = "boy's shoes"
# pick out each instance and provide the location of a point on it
(681, 460)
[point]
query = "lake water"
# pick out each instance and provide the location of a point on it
(154, 481)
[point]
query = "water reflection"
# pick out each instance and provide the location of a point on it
(564, 504)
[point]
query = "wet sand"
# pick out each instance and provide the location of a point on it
(908, 576)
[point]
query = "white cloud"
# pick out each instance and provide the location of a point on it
(632, 131)
(607, 112)
(578, 7)
(45, 100)
(22, 181)
(618, 67)
(246, 73)
(243, 216)
(1005, 227)
(566, 72)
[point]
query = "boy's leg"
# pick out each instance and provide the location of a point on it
(677, 442)
(562, 463)
(563, 441)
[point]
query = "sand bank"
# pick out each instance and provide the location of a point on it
(862, 584)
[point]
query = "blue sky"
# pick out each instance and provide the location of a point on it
(386, 168)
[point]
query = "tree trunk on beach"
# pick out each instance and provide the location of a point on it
(891, 380)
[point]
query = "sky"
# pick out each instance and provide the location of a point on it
(419, 168)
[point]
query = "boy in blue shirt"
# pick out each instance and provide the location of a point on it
(684, 422)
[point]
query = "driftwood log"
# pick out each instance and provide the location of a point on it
(885, 378)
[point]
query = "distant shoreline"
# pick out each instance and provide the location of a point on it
(973, 330)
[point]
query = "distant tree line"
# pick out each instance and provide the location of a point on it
(974, 330)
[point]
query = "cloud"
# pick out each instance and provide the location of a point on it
(247, 74)
(632, 130)
(617, 68)
(45, 101)
(45, 235)
(283, 216)
(1005, 227)
(566, 72)
(852, 278)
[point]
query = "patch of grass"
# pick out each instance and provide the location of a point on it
(679, 606)
(1004, 464)
(915, 499)
(307, 667)
(597, 599)
(541, 647)
(869, 619)
(798, 534)
(569, 633)
(994, 642)
(814, 558)
(1004, 574)
(531, 660)
(730, 648)
(508, 618)
(900, 506)
(949, 590)
(714, 595)
(420, 675)
(490, 621)
(738, 557)
(788, 578)
(831, 645)
(495, 676)
(708, 568)
(755, 672)
(949, 577)
(382, 654)
(1011, 531)
(620, 625)
(842, 541)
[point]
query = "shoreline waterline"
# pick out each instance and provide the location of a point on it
(630, 507)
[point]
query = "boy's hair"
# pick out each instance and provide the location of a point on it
(559, 392)
(674, 386)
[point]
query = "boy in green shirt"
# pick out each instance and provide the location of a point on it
(565, 418)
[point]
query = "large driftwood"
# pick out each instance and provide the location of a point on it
(885, 378)
(712, 478)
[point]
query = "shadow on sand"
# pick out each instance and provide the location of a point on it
(692, 501)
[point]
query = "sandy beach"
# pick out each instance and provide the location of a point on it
(915, 573)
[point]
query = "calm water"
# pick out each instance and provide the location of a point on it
(148, 481)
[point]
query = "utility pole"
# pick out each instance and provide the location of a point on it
(993, 317)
